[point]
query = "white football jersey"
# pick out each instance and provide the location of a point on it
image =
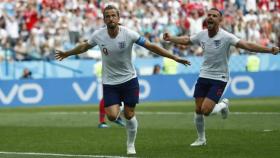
(216, 53)
(117, 66)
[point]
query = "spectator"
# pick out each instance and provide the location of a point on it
(20, 50)
(169, 66)
(47, 18)
(30, 16)
(251, 5)
(75, 22)
(195, 22)
(253, 63)
(12, 27)
(26, 74)
(157, 69)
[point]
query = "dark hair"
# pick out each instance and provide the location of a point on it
(109, 7)
(221, 14)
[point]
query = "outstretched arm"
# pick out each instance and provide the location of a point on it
(162, 52)
(185, 40)
(256, 48)
(81, 48)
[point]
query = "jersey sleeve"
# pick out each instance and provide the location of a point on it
(134, 36)
(195, 38)
(137, 38)
(91, 40)
(233, 40)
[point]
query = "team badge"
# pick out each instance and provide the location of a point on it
(122, 44)
(217, 43)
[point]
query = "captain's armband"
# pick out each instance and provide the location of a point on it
(141, 41)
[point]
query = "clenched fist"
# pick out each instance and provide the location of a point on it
(166, 36)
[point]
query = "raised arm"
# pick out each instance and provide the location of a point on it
(185, 40)
(256, 47)
(162, 52)
(7, 17)
(81, 48)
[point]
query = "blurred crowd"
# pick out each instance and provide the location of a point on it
(33, 29)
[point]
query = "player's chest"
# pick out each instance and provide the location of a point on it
(212, 44)
(114, 46)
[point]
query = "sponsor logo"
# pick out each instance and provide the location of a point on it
(20, 92)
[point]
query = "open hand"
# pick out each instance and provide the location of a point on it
(183, 61)
(60, 55)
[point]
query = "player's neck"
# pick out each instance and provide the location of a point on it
(213, 32)
(113, 32)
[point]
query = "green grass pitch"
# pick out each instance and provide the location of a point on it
(165, 131)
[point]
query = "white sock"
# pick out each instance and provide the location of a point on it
(131, 129)
(199, 123)
(218, 107)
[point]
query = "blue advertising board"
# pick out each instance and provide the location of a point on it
(72, 68)
(65, 91)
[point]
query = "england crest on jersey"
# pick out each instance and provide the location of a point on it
(122, 44)
(217, 43)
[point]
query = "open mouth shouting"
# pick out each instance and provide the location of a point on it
(210, 23)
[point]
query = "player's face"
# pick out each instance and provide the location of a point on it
(111, 18)
(213, 19)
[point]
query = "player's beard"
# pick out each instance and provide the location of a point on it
(112, 26)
